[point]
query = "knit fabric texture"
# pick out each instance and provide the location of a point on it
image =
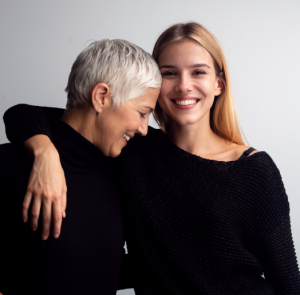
(27, 123)
(199, 226)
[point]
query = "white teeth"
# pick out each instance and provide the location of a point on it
(185, 102)
(126, 137)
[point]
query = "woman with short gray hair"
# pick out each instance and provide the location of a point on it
(125, 67)
(112, 89)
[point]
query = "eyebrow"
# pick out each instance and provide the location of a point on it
(190, 67)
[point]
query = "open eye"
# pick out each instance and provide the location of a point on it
(197, 73)
(168, 73)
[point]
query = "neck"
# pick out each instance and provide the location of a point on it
(197, 138)
(80, 119)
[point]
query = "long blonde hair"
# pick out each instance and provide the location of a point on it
(223, 116)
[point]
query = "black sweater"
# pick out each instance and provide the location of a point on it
(196, 226)
(86, 258)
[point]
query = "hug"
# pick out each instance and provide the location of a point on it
(201, 212)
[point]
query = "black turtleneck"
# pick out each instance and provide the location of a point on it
(86, 258)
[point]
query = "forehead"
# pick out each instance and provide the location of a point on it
(147, 100)
(184, 53)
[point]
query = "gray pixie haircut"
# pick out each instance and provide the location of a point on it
(125, 67)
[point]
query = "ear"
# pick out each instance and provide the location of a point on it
(101, 97)
(219, 86)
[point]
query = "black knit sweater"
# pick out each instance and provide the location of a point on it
(196, 226)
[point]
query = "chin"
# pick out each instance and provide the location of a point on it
(115, 153)
(186, 120)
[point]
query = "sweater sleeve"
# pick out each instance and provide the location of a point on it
(280, 261)
(24, 121)
(274, 237)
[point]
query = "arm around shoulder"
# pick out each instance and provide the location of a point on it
(47, 185)
(23, 121)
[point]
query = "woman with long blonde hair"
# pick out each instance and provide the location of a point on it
(203, 212)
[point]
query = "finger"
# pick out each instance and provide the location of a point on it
(64, 202)
(35, 212)
(57, 218)
(46, 218)
(26, 204)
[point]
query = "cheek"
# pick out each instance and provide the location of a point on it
(207, 88)
(134, 125)
(166, 87)
(132, 122)
(162, 102)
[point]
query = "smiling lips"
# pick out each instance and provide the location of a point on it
(185, 102)
(126, 137)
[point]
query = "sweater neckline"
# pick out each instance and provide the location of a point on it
(196, 157)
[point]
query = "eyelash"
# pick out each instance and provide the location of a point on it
(202, 73)
(173, 74)
(143, 115)
(167, 74)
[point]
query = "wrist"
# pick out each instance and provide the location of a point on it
(40, 144)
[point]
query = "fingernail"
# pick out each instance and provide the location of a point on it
(65, 214)
(44, 237)
(24, 219)
(34, 228)
(56, 236)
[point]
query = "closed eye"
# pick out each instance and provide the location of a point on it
(143, 115)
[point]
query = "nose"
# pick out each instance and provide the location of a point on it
(143, 128)
(183, 84)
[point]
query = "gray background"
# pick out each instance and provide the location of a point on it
(261, 40)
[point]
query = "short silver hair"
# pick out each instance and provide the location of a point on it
(125, 67)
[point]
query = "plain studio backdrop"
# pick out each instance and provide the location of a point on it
(261, 39)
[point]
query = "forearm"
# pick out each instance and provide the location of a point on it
(39, 145)
(23, 121)
(29, 126)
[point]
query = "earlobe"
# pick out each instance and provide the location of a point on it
(100, 96)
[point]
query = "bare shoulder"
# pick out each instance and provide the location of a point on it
(231, 152)
(238, 150)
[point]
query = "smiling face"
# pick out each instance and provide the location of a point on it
(189, 82)
(115, 126)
